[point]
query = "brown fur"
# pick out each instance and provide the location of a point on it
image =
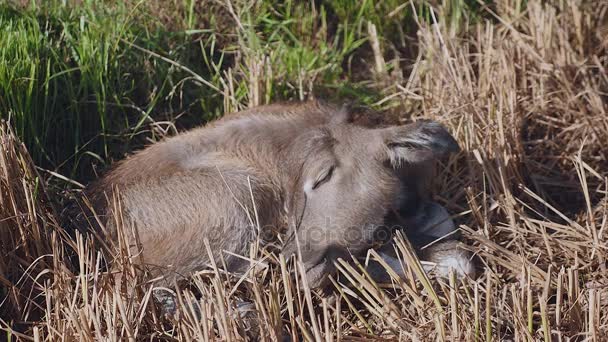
(199, 185)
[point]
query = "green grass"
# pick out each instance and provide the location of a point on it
(84, 84)
(67, 83)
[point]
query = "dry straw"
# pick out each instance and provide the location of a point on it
(525, 96)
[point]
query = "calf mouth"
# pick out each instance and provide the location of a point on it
(317, 276)
(319, 269)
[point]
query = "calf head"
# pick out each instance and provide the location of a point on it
(351, 179)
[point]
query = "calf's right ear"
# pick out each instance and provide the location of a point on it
(417, 142)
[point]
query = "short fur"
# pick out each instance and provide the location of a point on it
(325, 182)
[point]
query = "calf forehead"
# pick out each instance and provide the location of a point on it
(356, 142)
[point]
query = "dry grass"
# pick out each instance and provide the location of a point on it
(526, 97)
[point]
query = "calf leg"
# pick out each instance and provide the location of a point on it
(431, 223)
(439, 259)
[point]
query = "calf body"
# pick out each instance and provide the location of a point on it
(300, 170)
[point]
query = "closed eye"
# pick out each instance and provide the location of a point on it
(406, 144)
(323, 177)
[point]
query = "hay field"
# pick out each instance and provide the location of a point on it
(522, 85)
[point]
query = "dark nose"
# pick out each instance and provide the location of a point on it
(335, 252)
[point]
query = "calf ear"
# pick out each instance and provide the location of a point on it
(417, 142)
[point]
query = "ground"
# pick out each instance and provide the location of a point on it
(522, 85)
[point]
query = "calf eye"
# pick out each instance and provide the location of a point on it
(323, 177)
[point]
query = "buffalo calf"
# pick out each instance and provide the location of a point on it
(303, 172)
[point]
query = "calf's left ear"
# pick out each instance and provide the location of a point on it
(417, 142)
